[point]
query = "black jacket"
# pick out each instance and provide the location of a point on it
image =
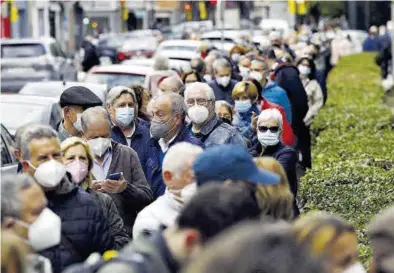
(223, 93)
(287, 77)
(84, 226)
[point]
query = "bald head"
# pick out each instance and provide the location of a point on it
(172, 84)
(96, 123)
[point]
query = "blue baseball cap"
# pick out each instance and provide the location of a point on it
(233, 162)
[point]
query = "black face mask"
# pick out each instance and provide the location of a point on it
(226, 120)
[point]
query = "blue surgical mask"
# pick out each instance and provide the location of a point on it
(124, 116)
(243, 106)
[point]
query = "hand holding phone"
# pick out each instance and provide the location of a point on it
(115, 176)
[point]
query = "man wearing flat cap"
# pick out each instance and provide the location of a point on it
(74, 101)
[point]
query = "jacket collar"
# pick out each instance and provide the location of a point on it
(137, 132)
(208, 127)
(65, 187)
(273, 149)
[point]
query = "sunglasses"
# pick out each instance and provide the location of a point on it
(273, 129)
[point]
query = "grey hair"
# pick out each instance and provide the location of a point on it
(10, 186)
(35, 131)
(271, 114)
(178, 105)
(220, 103)
(175, 158)
(161, 63)
(118, 91)
(92, 113)
(259, 61)
(221, 63)
(19, 134)
(200, 86)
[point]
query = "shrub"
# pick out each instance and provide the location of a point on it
(353, 153)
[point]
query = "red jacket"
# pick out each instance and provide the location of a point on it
(288, 137)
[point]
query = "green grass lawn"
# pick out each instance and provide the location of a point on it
(353, 150)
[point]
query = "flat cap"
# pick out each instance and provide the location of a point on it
(81, 96)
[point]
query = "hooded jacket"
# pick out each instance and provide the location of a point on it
(83, 225)
(275, 94)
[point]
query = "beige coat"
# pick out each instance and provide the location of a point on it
(315, 99)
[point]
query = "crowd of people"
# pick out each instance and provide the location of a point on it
(196, 173)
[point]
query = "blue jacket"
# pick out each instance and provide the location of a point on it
(155, 155)
(371, 44)
(223, 93)
(216, 132)
(83, 224)
(242, 121)
(276, 94)
(139, 140)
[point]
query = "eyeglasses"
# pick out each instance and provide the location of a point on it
(200, 102)
(273, 129)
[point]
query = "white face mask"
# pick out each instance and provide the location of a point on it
(77, 125)
(235, 57)
(45, 232)
(223, 81)
(207, 77)
(49, 174)
(268, 138)
(198, 114)
(256, 75)
(244, 71)
(355, 268)
(99, 145)
(304, 70)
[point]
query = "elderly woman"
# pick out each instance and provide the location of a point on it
(224, 111)
(78, 160)
(331, 239)
(275, 200)
(245, 96)
(269, 135)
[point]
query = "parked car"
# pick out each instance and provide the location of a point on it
(17, 110)
(33, 60)
(137, 48)
(54, 89)
(225, 41)
(117, 74)
(178, 65)
(9, 163)
(109, 49)
(184, 50)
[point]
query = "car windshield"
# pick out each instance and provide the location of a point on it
(179, 47)
(115, 79)
(22, 50)
(16, 114)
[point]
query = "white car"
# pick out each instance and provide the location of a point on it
(184, 50)
(55, 89)
(275, 24)
(118, 74)
(230, 38)
(178, 65)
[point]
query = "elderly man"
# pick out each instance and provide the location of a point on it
(78, 211)
(23, 204)
(223, 85)
(178, 177)
(128, 130)
(167, 128)
(74, 101)
(205, 124)
(116, 168)
(172, 84)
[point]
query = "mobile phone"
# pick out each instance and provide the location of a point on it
(115, 176)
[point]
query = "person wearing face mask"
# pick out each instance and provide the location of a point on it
(127, 128)
(330, 238)
(270, 90)
(269, 136)
(244, 67)
(116, 168)
(36, 227)
(235, 54)
(74, 101)
(78, 159)
(245, 96)
(224, 111)
(205, 124)
(178, 177)
(78, 211)
(223, 85)
(167, 128)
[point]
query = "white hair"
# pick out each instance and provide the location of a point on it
(177, 155)
(117, 91)
(93, 114)
(220, 103)
(161, 63)
(210, 95)
(271, 114)
(221, 63)
(274, 35)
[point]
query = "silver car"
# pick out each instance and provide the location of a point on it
(9, 164)
(33, 60)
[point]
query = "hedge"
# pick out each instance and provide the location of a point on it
(353, 148)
